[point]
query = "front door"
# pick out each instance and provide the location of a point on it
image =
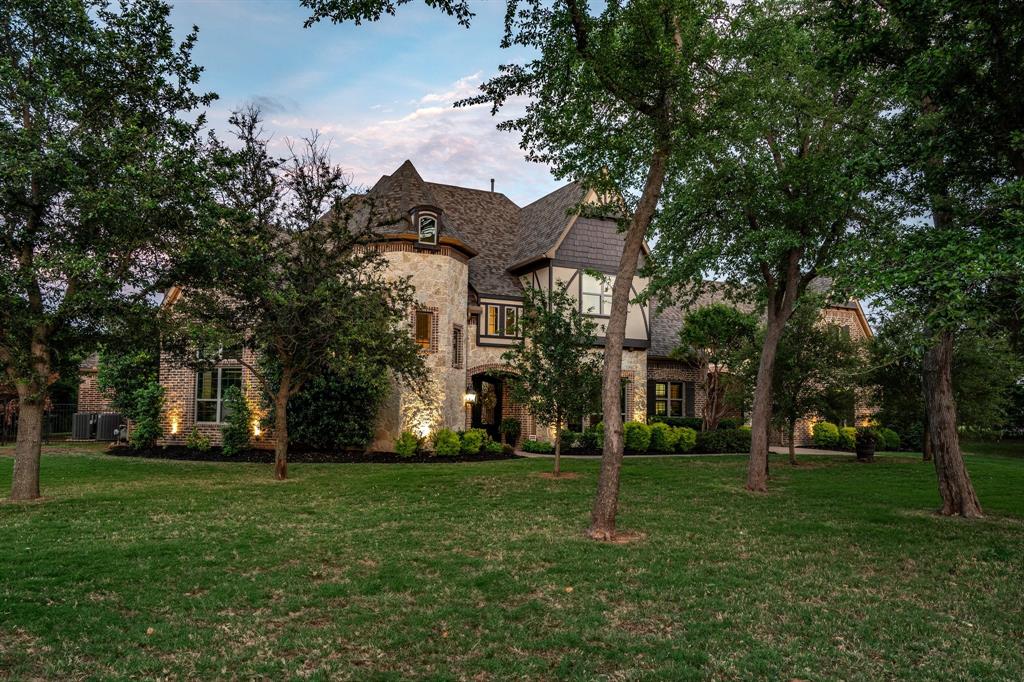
(487, 408)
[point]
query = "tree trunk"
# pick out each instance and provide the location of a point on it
(558, 448)
(792, 442)
(712, 404)
(757, 467)
(606, 500)
(958, 497)
(28, 448)
(926, 444)
(281, 428)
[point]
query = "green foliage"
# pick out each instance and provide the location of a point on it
(592, 438)
(537, 447)
(695, 423)
(472, 441)
(553, 368)
(235, 433)
(146, 405)
(663, 437)
(511, 428)
(636, 436)
(407, 444)
(889, 439)
(723, 440)
(121, 374)
(570, 439)
(847, 437)
(866, 436)
(825, 435)
(197, 441)
(493, 447)
(337, 410)
(446, 443)
(686, 438)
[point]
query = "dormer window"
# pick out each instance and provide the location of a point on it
(427, 227)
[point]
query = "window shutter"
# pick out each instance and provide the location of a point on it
(690, 408)
(650, 397)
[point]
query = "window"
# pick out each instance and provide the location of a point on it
(493, 326)
(457, 347)
(501, 320)
(424, 327)
(210, 388)
(427, 225)
(667, 399)
(511, 321)
(596, 294)
(597, 418)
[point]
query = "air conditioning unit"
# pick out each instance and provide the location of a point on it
(83, 426)
(106, 425)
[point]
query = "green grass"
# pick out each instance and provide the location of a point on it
(463, 571)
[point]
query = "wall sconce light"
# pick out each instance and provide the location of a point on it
(470, 396)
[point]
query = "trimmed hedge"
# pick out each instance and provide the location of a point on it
(825, 435)
(447, 443)
(472, 441)
(663, 438)
(538, 447)
(889, 438)
(637, 436)
(723, 441)
(686, 439)
(407, 444)
(848, 437)
(695, 423)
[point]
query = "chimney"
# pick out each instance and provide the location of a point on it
(492, 184)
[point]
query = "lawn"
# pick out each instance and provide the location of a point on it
(136, 568)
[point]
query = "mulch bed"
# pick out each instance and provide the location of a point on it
(178, 452)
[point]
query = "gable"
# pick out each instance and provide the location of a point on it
(593, 242)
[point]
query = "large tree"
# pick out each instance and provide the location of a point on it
(99, 183)
(612, 96)
(956, 68)
(781, 180)
(717, 337)
(293, 276)
(553, 368)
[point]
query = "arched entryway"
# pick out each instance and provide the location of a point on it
(486, 410)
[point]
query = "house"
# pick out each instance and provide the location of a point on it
(469, 254)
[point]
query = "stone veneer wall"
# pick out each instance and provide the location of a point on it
(90, 397)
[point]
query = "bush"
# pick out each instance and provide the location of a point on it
(825, 435)
(592, 439)
(446, 443)
(726, 440)
(235, 432)
(695, 423)
(686, 438)
(889, 438)
(637, 436)
(848, 438)
(866, 436)
(511, 428)
(570, 439)
(493, 447)
(197, 441)
(729, 423)
(147, 403)
(473, 441)
(407, 444)
(663, 437)
(537, 447)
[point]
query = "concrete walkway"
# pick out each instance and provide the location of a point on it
(777, 449)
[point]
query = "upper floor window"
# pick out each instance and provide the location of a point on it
(501, 320)
(210, 388)
(596, 294)
(424, 328)
(427, 225)
(458, 350)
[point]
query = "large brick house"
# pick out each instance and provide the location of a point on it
(469, 254)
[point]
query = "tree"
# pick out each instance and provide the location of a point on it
(783, 179)
(612, 96)
(816, 360)
(552, 368)
(100, 182)
(294, 276)
(955, 68)
(716, 336)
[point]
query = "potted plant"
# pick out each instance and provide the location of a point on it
(867, 439)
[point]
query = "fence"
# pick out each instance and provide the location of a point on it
(56, 422)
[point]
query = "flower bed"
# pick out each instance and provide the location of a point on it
(215, 454)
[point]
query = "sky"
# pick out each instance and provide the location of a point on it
(381, 92)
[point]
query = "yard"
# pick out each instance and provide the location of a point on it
(135, 568)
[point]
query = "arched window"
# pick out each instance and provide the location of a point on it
(427, 225)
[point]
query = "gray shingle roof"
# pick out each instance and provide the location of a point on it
(542, 222)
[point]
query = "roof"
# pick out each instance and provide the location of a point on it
(542, 223)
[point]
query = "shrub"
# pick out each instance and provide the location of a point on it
(663, 437)
(637, 436)
(825, 435)
(493, 447)
(686, 438)
(407, 444)
(197, 441)
(538, 447)
(235, 432)
(889, 438)
(147, 403)
(446, 443)
(593, 438)
(473, 441)
(848, 437)
(510, 427)
(726, 440)
(695, 423)
(866, 436)
(570, 439)
(729, 423)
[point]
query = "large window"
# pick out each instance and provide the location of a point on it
(596, 294)
(500, 320)
(210, 388)
(669, 399)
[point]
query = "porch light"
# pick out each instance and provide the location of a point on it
(470, 396)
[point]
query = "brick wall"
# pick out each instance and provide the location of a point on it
(663, 369)
(90, 397)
